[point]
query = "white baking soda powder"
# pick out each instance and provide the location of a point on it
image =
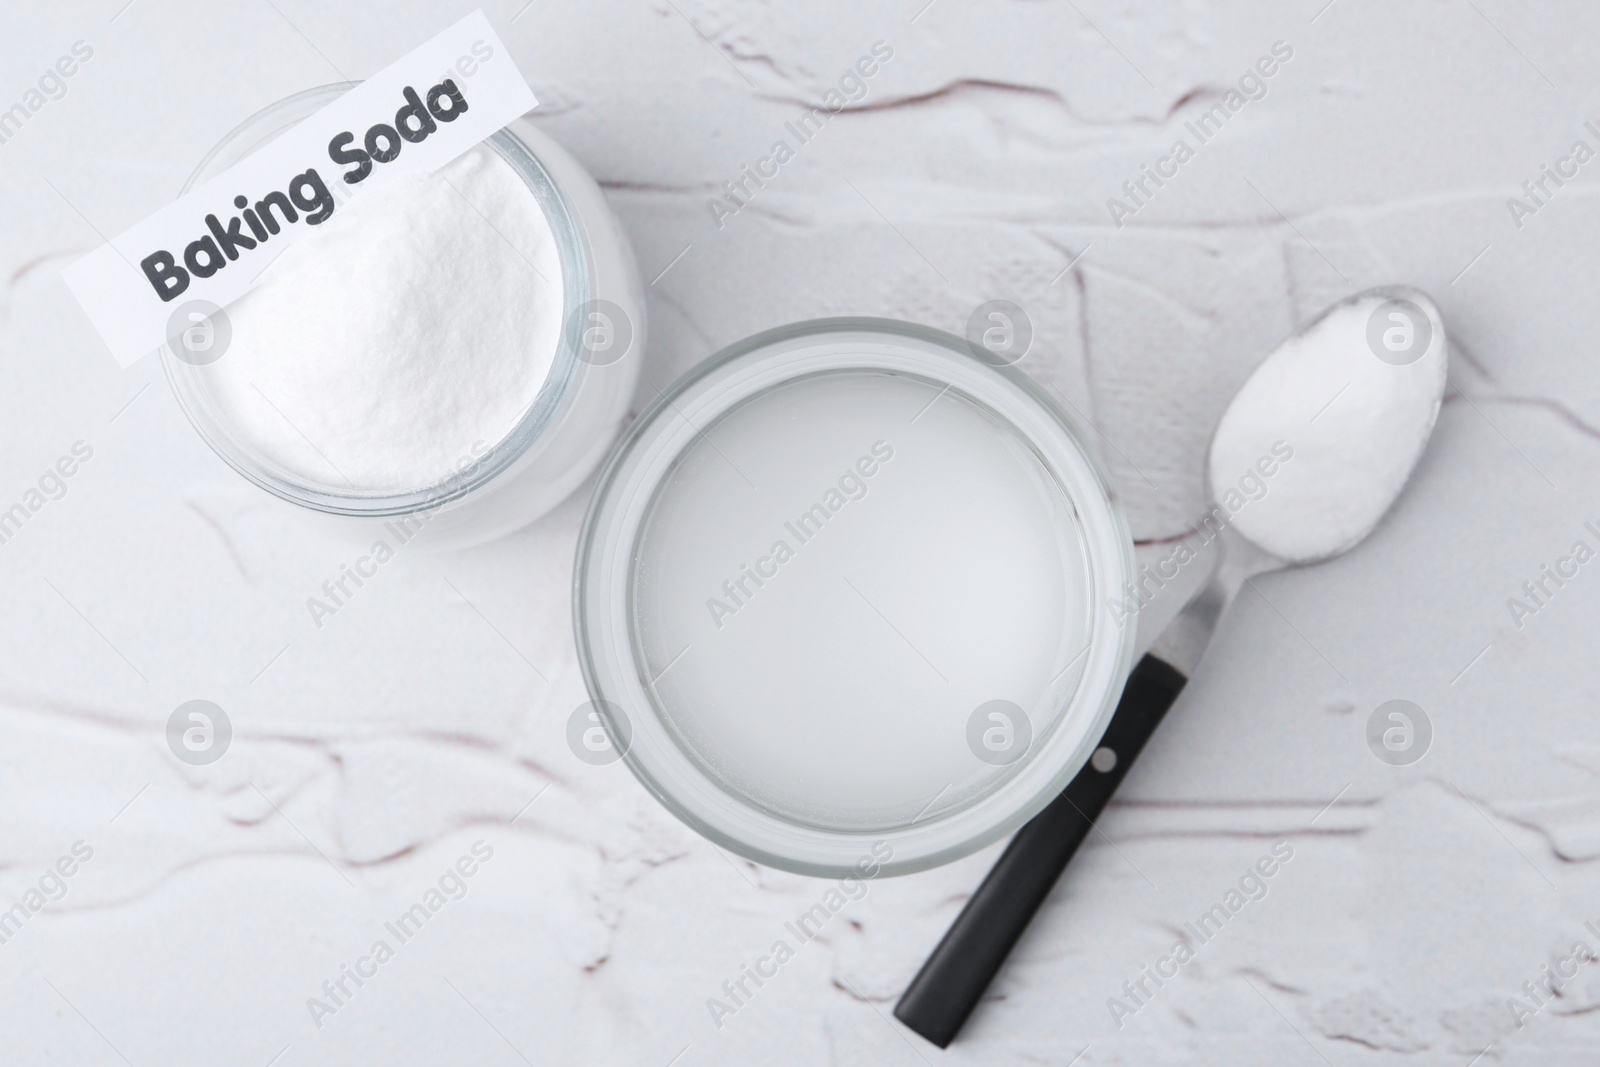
(1354, 397)
(409, 332)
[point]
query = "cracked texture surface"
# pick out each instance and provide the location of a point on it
(372, 752)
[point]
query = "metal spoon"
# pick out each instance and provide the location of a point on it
(955, 976)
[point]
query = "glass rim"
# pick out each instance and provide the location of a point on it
(188, 384)
(611, 670)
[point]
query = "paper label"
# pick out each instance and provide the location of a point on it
(212, 243)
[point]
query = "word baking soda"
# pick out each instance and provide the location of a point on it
(420, 319)
(306, 195)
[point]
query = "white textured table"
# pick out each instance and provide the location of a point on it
(428, 715)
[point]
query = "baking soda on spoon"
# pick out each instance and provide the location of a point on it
(1355, 395)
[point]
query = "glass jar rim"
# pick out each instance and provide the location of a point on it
(187, 382)
(613, 664)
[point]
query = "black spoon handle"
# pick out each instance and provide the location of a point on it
(954, 978)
